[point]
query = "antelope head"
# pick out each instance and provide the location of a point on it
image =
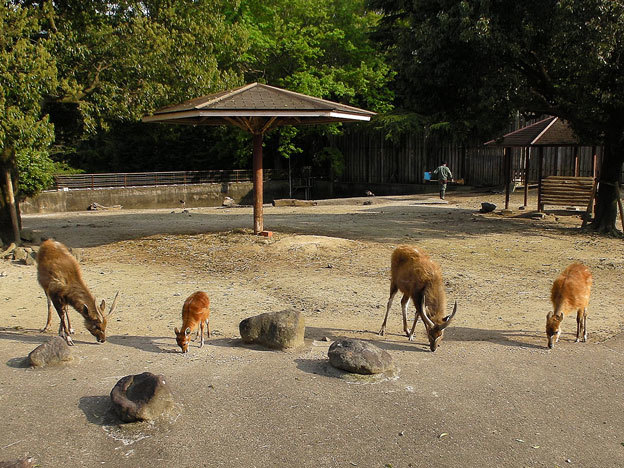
(97, 325)
(183, 338)
(553, 327)
(435, 331)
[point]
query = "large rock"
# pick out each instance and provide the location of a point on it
(277, 330)
(142, 397)
(359, 357)
(53, 351)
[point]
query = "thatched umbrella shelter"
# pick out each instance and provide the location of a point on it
(257, 108)
(551, 131)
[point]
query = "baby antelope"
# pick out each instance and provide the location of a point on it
(196, 311)
(570, 292)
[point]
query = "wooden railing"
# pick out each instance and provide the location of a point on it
(138, 179)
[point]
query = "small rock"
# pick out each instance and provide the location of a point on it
(368, 193)
(142, 397)
(359, 357)
(20, 253)
(539, 216)
(277, 330)
(487, 207)
(227, 201)
(53, 351)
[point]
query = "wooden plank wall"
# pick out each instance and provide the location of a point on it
(371, 158)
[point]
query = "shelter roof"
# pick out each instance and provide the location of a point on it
(258, 100)
(551, 131)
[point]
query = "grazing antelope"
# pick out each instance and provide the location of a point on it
(569, 292)
(195, 311)
(419, 279)
(59, 275)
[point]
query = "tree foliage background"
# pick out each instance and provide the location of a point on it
(76, 76)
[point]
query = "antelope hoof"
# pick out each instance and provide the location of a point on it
(410, 337)
(69, 341)
(72, 331)
(577, 340)
(382, 332)
(44, 329)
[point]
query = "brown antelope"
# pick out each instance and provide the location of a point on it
(195, 311)
(59, 275)
(570, 292)
(419, 279)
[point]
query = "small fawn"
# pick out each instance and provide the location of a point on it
(569, 292)
(196, 311)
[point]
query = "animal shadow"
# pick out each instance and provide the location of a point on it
(503, 337)
(143, 343)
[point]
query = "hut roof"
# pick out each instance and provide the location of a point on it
(551, 131)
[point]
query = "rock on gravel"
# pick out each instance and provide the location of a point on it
(359, 357)
(277, 330)
(142, 397)
(53, 351)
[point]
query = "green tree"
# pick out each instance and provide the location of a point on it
(475, 62)
(120, 60)
(316, 47)
(27, 74)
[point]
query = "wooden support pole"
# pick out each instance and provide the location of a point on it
(527, 165)
(257, 183)
(540, 165)
(507, 169)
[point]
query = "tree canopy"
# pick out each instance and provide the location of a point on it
(473, 63)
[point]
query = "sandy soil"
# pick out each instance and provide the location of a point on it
(492, 393)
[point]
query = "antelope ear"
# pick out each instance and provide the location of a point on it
(176, 331)
(85, 309)
(187, 332)
(103, 305)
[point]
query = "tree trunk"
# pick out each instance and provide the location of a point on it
(9, 210)
(607, 197)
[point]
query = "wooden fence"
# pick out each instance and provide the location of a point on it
(371, 158)
(137, 179)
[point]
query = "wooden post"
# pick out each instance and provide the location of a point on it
(507, 169)
(527, 164)
(619, 200)
(257, 183)
(576, 161)
(539, 178)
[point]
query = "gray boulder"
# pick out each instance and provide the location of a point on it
(277, 330)
(359, 357)
(53, 351)
(142, 397)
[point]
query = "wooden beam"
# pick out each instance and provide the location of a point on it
(539, 178)
(527, 162)
(258, 186)
(507, 169)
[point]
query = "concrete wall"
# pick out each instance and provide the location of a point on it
(163, 196)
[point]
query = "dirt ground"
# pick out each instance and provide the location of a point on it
(491, 395)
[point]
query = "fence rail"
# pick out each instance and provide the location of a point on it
(138, 179)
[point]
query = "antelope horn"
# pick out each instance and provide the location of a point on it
(448, 318)
(112, 307)
(423, 314)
